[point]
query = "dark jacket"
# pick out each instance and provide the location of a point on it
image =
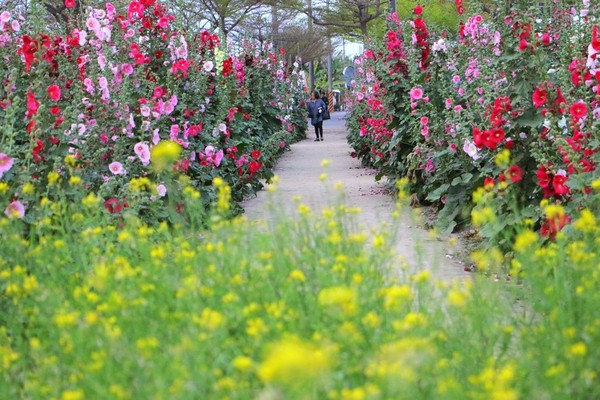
(315, 110)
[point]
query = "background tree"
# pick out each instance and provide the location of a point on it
(347, 16)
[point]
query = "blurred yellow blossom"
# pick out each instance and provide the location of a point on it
(340, 299)
(164, 154)
(525, 240)
(285, 364)
(586, 221)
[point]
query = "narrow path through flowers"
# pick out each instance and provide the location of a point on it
(301, 175)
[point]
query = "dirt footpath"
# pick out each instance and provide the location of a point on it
(300, 174)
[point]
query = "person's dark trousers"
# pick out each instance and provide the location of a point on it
(319, 130)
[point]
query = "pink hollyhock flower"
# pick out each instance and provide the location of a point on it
(471, 150)
(416, 93)
(143, 152)
(54, 92)
(116, 168)
(127, 69)
(15, 209)
(208, 66)
(92, 24)
(6, 163)
(161, 190)
(5, 16)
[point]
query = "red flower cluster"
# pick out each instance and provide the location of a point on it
(540, 99)
(490, 138)
(422, 34)
(227, 67)
(208, 40)
(553, 184)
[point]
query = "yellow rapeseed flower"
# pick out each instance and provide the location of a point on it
(458, 298)
(285, 364)
(325, 163)
(28, 188)
(164, 154)
(91, 200)
(596, 184)
(297, 275)
(482, 216)
(242, 363)
(502, 160)
(578, 349)
(75, 394)
(211, 319)
(397, 296)
(339, 299)
(74, 180)
(586, 221)
(524, 241)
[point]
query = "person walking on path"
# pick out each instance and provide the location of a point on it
(316, 109)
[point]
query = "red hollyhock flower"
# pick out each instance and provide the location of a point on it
(546, 39)
(578, 110)
(559, 104)
(523, 45)
(489, 183)
(255, 154)
(458, 2)
(227, 67)
(418, 10)
(113, 205)
(37, 150)
(595, 41)
(69, 3)
(254, 167)
(460, 9)
(539, 97)
(543, 177)
(514, 173)
(32, 105)
(54, 92)
(558, 184)
(478, 138)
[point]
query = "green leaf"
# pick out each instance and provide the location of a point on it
(438, 193)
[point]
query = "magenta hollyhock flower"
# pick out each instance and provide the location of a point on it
(163, 22)
(127, 69)
(6, 163)
(15, 209)
(416, 93)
